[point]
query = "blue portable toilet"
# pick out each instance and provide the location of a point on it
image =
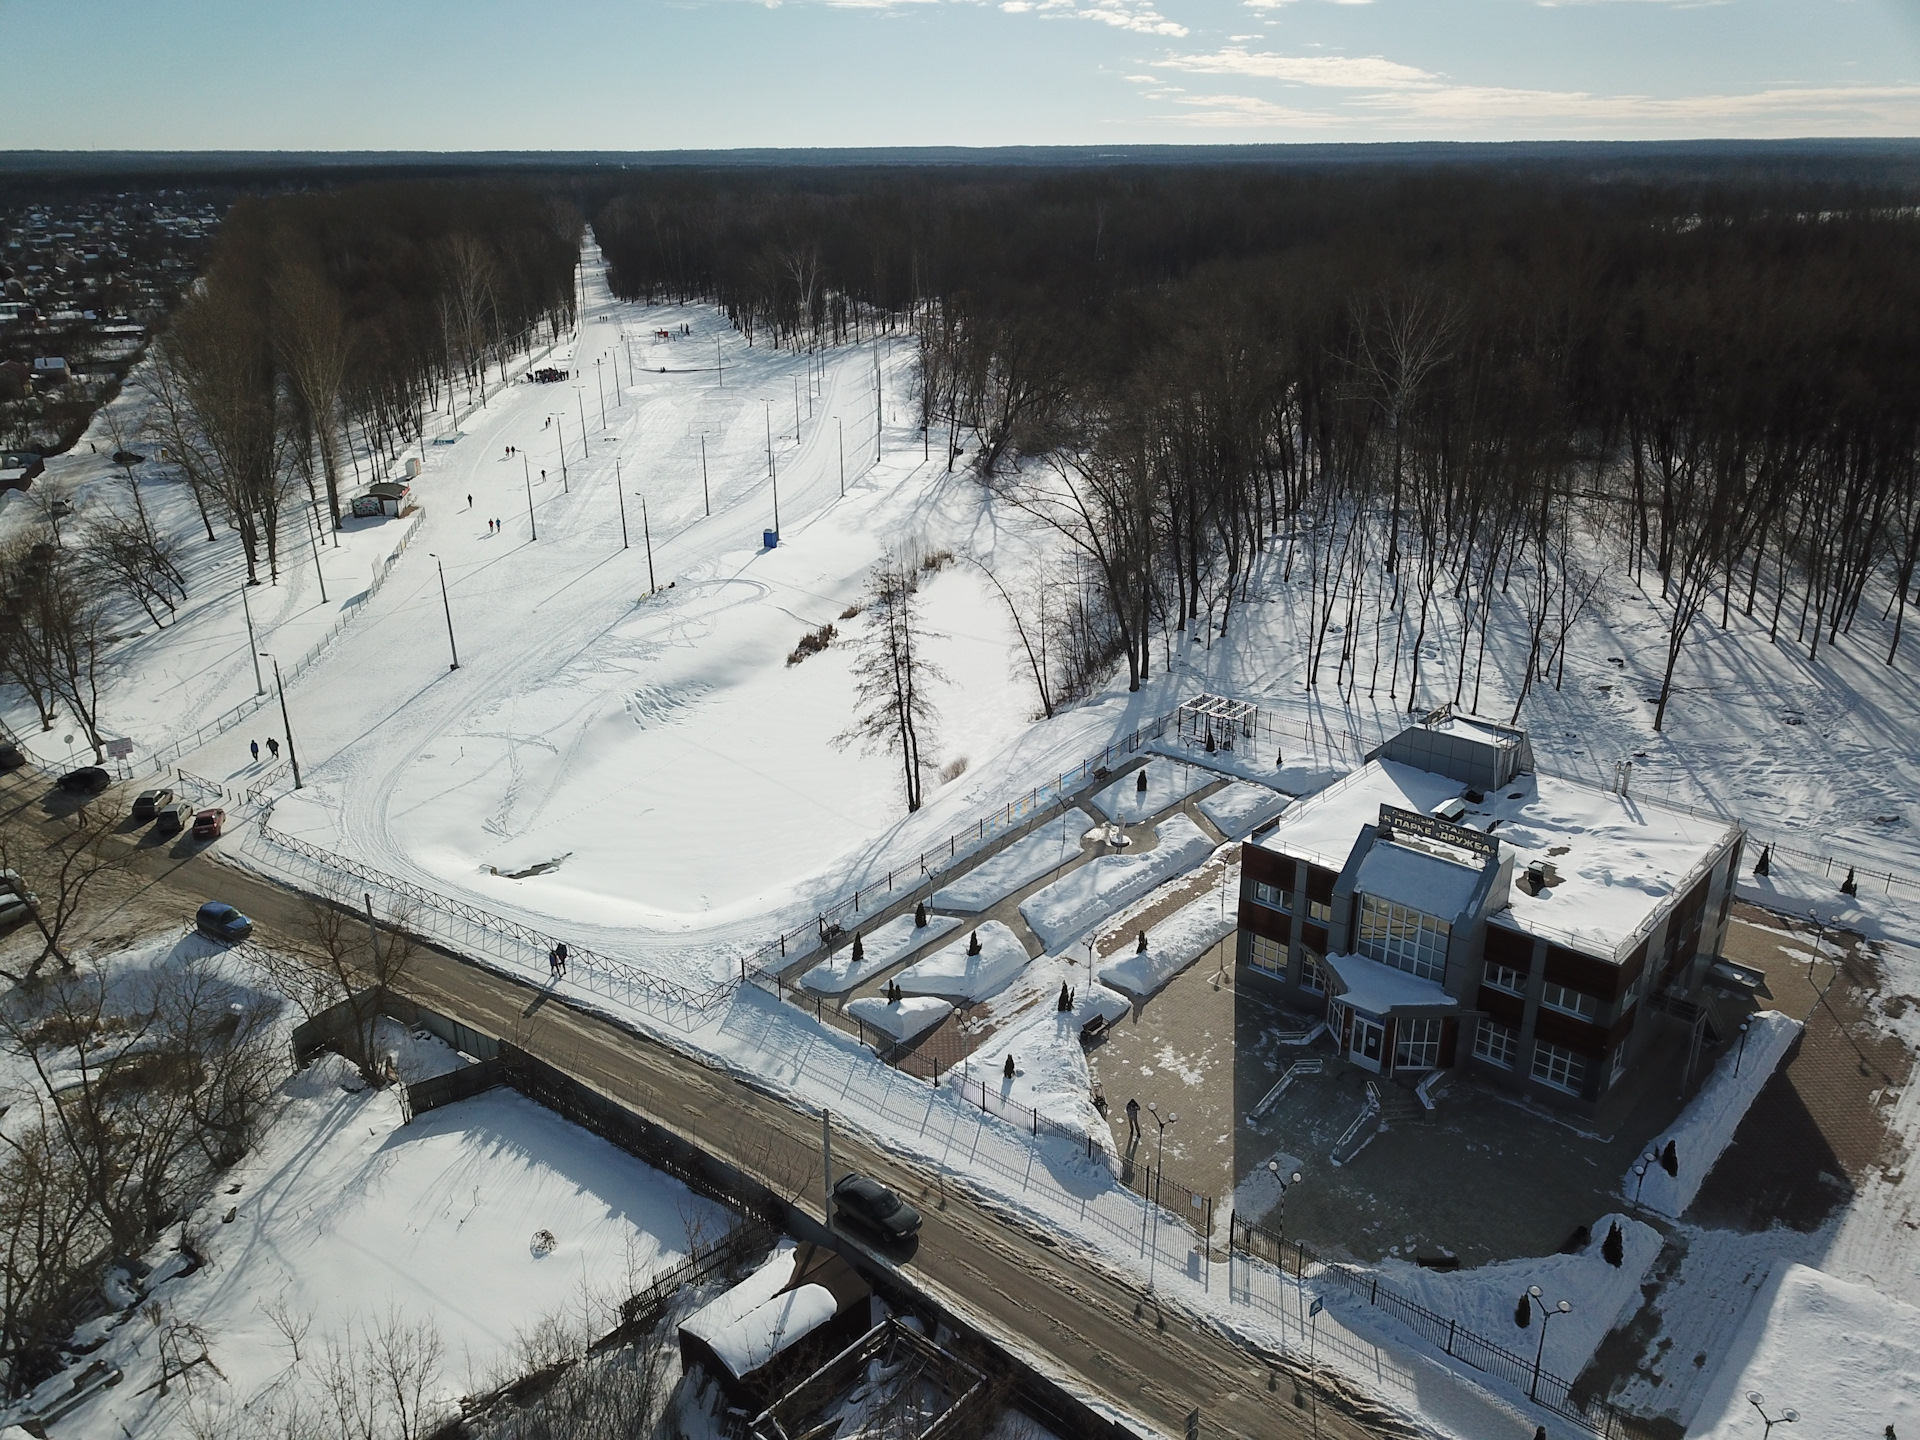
(770, 538)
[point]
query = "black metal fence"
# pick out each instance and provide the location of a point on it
(1552, 1392)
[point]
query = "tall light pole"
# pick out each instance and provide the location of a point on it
(1285, 1183)
(1785, 1417)
(647, 532)
(719, 362)
(620, 495)
(313, 528)
(527, 471)
(447, 605)
(843, 461)
(580, 399)
(259, 685)
(705, 494)
(796, 409)
(601, 385)
(1547, 1312)
(1172, 1117)
(560, 430)
(286, 722)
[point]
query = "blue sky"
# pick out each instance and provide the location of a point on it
(661, 74)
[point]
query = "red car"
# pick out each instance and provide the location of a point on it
(208, 824)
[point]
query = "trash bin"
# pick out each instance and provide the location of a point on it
(770, 538)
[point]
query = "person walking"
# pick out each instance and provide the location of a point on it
(1133, 1120)
(273, 748)
(560, 950)
(469, 501)
(254, 745)
(553, 963)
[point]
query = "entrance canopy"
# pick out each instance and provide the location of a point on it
(1378, 990)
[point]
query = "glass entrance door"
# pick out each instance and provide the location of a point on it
(1369, 1039)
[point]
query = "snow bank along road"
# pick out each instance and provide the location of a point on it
(1094, 1332)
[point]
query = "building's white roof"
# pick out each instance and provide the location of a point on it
(1377, 988)
(1622, 858)
(1323, 827)
(1469, 728)
(771, 1326)
(1414, 878)
(720, 1314)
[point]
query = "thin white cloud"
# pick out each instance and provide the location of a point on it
(1339, 72)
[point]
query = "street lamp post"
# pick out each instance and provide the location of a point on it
(447, 605)
(560, 431)
(705, 494)
(313, 530)
(1547, 1312)
(1286, 1184)
(259, 685)
(580, 399)
(646, 533)
(1785, 1417)
(621, 496)
(843, 455)
(1741, 1053)
(601, 385)
(286, 723)
(1160, 1151)
(527, 471)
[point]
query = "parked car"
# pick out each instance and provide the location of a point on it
(87, 780)
(147, 803)
(172, 819)
(11, 758)
(220, 921)
(868, 1203)
(208, 824)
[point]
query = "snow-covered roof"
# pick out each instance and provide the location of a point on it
(1323, 827)
(720, 1314)
(1620, 859)
(1470, 728)
(1420, 879)
(1377, 988)
(771, 1326)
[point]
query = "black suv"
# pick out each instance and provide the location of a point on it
(870, 1204)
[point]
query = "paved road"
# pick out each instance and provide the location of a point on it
(1015, 1283)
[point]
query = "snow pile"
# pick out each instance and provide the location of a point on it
(1168, 783)
(414, 1055)
(1177, 941)
(1843, 1355)
(1706, 1126)
(1077, 901)
(1484, 1299)
(900, 1019)
(1242, 805)
(880, 948)
(1048, 847)
(952, 972)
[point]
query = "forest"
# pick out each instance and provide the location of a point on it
(324, 327)
(1419, 388)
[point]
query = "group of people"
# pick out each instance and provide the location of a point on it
(273, 748)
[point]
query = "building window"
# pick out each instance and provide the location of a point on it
(1633, 991)
(1312, 977)
(1569, 1002)
(1405, 939)
(1273, 897)
(1619, 1066)
(1505, 977)
(1269, 955)
(1416, 1044)
(1559, 1067)
(1321, 911)
(1496, 1043)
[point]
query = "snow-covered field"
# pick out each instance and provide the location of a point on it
(1166, 783)
(478, 1222)
(1080, 899)
(1180, 939)
(879, 948)
(1045, 848)
(952, 972)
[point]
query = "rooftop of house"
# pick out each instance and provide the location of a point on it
(1620, 859)
(1322, 827)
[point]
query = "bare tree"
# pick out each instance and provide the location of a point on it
(893, 674)
(310, 331)
(60, 871)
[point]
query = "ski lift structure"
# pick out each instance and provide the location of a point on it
(1216, 717)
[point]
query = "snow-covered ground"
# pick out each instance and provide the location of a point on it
(879, 948)
(1080, 899)
(900, 1019)
(1180, 939)
(478, 1221)
(1047, 847)
(1241, 806)
(1706, 1126)
(1167, 783)
(952, 972)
